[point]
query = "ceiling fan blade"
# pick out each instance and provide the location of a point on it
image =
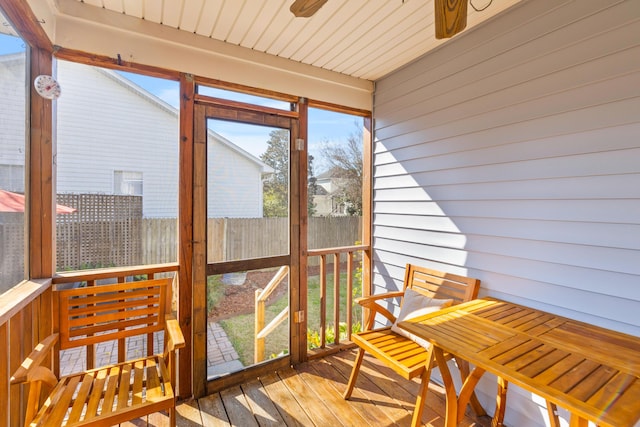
(306, 8)
(450, 17)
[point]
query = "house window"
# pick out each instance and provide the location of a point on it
(12, 178)
(127, 183)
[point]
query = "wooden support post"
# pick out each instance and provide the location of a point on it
(299, 260)
(336, 298)
(199, 276)
(41, 175)
(185, 233)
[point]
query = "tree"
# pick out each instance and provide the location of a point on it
(312, 188)
(345, 165)
(276, 188)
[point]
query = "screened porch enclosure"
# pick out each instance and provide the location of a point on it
(508, 153)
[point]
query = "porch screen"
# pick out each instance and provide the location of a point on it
(13, 119)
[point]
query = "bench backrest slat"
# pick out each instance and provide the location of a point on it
(110, 312)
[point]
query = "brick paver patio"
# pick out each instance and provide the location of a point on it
(221, 356)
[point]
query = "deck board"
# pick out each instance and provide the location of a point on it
(311, 395)
(263, 408)
(237, 407)
(285, 401)
(371, 413)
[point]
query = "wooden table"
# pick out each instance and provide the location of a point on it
(592, 372)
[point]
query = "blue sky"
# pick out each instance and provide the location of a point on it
(323, 125)
(10, 44)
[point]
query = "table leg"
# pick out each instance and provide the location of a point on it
(451, 417)
(501, 403)
(467, 391)
(463, 366)
(577, 421)
(552, 410)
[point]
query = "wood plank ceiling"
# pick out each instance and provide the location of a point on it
(366, 39)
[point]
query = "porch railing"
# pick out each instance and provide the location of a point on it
(26, 318)
(331, 321)
(262, 331)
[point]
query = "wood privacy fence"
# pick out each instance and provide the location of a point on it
(155, 240)
(241, 238)
(109, 230)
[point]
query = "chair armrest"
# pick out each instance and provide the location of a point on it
(371, 298)
(371, 303)
(30, 369)
(173, 338)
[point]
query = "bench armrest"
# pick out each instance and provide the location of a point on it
(30, 369)
(371, 303)
(32, 372)
(173, 338)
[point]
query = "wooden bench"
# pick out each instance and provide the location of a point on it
(403, 354)
(111, 394)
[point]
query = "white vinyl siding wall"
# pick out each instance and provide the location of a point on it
(106, 126)
(512, 154)
(13, 88)
(235, 184)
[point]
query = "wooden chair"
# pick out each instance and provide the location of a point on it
(111, 394)
(400, 353)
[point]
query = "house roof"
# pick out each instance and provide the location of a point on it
(159, 103)
(333, 172)
(12, 57)
(5, 28)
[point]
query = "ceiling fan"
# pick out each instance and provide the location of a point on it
(450, 15)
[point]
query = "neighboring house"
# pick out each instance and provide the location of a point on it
(113, 137)
(12, 118)
(329, 197)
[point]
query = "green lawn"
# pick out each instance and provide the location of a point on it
(240, 330)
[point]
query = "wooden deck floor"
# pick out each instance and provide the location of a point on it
(311, 395)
